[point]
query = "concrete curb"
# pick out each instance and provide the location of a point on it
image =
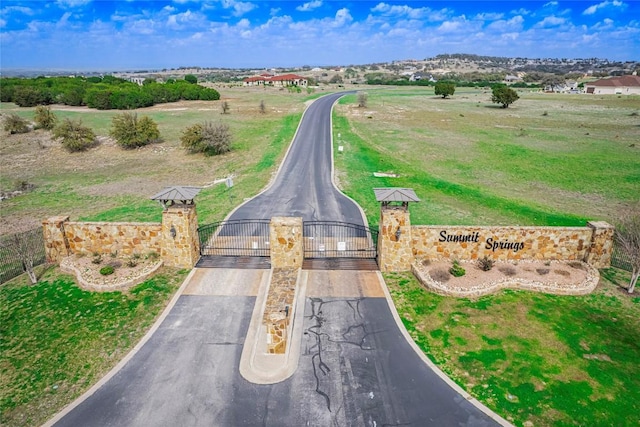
(125, 359)
(256, 365)
(475, 402)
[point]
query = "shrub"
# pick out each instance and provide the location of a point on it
(457, 270)
(44, 117)
(75, 136)
(107, 270)
(153, 255)
(440, 275)
(508, 270)
(129, 132)
(132, 262)
(97, 258)
(485, 263)
(225, 107)
(207, 138)
(13, 123)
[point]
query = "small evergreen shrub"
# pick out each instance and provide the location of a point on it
(13, 123)
(457, 270)
(485, 263)
(107, 270)
(74, 135)
(44, 117)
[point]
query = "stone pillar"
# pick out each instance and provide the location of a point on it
(285, 241)
(599, 253)
(394, 250)
(56, 246)
(180, 245)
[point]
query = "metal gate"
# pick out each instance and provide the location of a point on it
(240, 238)
(332, 239)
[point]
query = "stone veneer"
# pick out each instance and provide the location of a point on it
(285, 242)
(279, 308)
(63, 237)
(395, 251)
(592, 244)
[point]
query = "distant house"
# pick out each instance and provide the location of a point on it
(281, 80)
(623, 85)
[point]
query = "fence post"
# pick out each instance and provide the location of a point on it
(395, 251)
(56, 246)
(180, 245)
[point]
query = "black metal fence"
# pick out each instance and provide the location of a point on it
(235, 238)
(620, 258)
(15, 247)
(331, 239)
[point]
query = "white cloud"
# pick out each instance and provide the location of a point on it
(307, 7)
(551, 21)
(18, 9)
(489, 16)
(604, 5)
(274, 11)
(343, 17)
(3, 23)
(508, 25)
(386, 9)
(66, 4)
(239, 7)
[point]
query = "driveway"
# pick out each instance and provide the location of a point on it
(356, 367)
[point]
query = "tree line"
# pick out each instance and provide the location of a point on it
(102, 93)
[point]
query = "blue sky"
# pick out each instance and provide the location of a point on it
(118, 35)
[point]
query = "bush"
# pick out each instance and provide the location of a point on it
(44, 117)
(107, 270)
(456, 269)
(132, 262)
(207, 138)
(440, 275)
(75, 136)
(129, 132)
(13, 123)
(485, 263)
(97, 258)
(508, 270)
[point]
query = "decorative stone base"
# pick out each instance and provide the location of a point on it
(277, 312)
(87, 280)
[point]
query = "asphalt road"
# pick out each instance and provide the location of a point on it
(355, 369)
(303, 186)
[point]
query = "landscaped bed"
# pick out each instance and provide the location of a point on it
(555, 277)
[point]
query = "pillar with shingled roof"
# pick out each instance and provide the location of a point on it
(180, 242)
(394, 241)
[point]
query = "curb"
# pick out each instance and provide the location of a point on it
(125, 359)
(475, 402)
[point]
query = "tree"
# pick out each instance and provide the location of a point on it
(504, 95)
(26, 246)
(13, 123)
(263, 107)
(208, 138)
(75, 136)
(191, 78)
(362, 99)
(44, 117)
(627, 235)
(445, 89)
(129, 132)
(337, 78)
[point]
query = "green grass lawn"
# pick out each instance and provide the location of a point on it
(58, 340)
(543, 359)
(546, 160)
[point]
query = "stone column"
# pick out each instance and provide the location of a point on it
(285, 241)
(56, 246)
(394, 249)
(599, 253)
(180, 245)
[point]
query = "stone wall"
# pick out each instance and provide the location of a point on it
(400, 244)
(121, 238)
(177, 248)
(285, 242)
